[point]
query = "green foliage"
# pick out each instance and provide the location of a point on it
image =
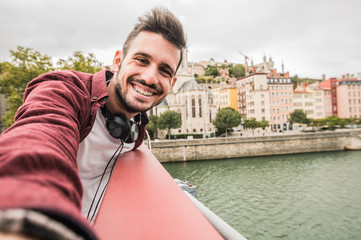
(152, 126)
(203, 79)
(263, 124)
(299, 116)
(211, 71)
(331, 122)
(251, 124)
(81, 63)
(237, 71)
(296, 80)
(168, 120)
(226, 118)
(26, 64)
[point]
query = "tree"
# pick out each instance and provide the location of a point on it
(81, 63)
(263, 124)
(237, 71)
(299, 116)
(152, 126)
(226, 118)
(168, 120)
(26, 64)
(333, 121)
(211, 71)
(252, 124)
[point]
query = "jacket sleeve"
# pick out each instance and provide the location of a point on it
(38, 152)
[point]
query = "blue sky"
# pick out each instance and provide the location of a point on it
(311, 37)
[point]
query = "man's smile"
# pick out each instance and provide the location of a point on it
(142, 91)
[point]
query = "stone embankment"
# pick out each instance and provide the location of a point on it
(236, 147)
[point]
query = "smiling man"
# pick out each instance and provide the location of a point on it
(145, 75)
(57, 158)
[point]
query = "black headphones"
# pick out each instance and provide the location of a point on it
(120, 127)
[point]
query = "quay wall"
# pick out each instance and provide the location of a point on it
(236, 147)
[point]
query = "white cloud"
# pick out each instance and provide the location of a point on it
(311, 37)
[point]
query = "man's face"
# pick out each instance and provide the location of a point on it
(146, 73)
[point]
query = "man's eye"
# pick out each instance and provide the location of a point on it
(141, 60)
(166, 72)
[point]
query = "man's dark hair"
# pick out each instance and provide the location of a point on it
(163, 22)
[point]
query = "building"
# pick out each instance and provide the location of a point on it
(196, 69)
(331, 85)
(322, 96)
(314, 99)
(281, 102)
(266, 95)
(253, 97)
(225, 96)
(349, 98)
(265, 66)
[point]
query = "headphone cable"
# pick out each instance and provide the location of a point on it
(101, 179)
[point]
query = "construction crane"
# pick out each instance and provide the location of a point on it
(245, 63)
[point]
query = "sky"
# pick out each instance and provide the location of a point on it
(310, 37)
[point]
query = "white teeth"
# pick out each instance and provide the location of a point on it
(141, 91)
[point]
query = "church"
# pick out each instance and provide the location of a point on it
(192, 101)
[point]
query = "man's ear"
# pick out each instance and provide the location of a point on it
(117, 60)
(173, 82)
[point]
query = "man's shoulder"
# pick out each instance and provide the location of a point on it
(65, 74)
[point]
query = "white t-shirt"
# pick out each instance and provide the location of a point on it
(93, 155)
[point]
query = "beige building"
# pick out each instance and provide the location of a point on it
(322, 100)
(253, 97)
(196, 69)
(314, 100)
(265, 66)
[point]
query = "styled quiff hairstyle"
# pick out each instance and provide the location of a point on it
(163, 22)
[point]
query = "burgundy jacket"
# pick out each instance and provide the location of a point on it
(38, 168)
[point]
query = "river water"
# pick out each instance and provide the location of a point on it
(302, 196)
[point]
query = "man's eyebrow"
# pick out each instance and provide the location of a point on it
(146, 55)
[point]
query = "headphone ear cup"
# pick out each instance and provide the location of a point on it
(134, 132)
(119, 127)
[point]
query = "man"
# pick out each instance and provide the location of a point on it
(72, 126)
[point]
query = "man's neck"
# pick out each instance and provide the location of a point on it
(114, 107)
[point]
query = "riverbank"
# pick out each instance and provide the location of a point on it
(235, 147)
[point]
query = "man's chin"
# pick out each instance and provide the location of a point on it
(135, 108)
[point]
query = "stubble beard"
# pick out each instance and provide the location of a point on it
(125, 103)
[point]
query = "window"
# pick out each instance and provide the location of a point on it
(186, 109)
(193, 108)
(200, 106)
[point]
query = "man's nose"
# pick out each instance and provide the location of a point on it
(150, 75)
